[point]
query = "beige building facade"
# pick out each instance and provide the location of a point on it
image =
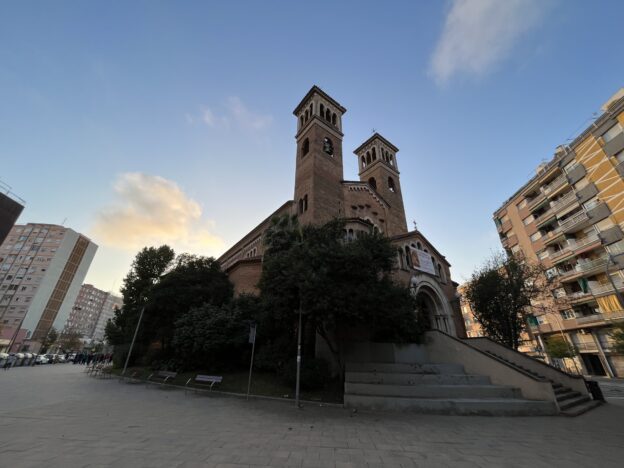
(91, 311)
(570, 218)
(41, 269)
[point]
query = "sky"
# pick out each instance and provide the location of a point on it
(148, 122)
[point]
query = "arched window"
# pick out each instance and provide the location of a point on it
(373, 182)
(418, 245)
(391, 186)
(306, 116)
(328, 146)
(391, 160)
(374, 155)
(327, 115)
(311, 110)
(302, 120)
(305, 148)
(363, 162)
(322, 111)
(305, 203)
(408, 259)
(300, 205)
(333, 119)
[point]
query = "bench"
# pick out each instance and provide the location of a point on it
(205, 380)
(161, 375)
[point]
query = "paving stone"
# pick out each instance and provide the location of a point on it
(56, 416)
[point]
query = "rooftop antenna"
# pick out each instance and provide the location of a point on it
(415, 225)
(64, 221)
(374, 130)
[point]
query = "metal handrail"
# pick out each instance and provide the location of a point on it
(560, 180)
(563, 201)
(576, 219)
(586, 241)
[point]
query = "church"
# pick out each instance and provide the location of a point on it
(372, 203)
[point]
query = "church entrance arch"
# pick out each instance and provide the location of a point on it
(430, 300)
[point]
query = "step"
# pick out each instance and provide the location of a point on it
(404, 368)
(579, 409)
(462, 406)
(566, 396)
(433, 391)
(415, 379)
(573, 402)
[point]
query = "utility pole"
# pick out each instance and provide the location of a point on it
(136, 330)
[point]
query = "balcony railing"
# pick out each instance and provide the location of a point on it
(558, 182)
(577, 296)
(575, 245)
(587, 266)
(586, 346)
(605, 288)
(543, 217)
(536, 201)
(563, 202)
(574, 220)
(614, 316)
(559, 254)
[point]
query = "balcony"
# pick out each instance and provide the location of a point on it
(579, 296)
(548, 215)
(576, 173)
(606, 288)
(611, 235)
(537, 201)
(592, 264)
(586, 347)
(563, 202)
(505, 226)
(584, 242)
(510, 241)
(555, 184)
(573, 221)
(554, 257)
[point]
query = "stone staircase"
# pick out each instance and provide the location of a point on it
(435, 388)
(570, 402)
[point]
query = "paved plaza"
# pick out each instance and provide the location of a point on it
(57, 416)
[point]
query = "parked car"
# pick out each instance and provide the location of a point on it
(42, 359)
(60, 358)
(3, 359)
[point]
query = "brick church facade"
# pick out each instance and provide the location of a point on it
(374, 202)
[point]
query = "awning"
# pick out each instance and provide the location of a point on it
(609, 303)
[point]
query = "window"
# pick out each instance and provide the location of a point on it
(536, 236)
(522, 204)
(372, 182)
(619, 156)
(328, 146)
(528, 220)
(616, 248)
(363, 162)
(305, 148)
(391, 186)
(543, 254)
(612, 133)
(567, 314)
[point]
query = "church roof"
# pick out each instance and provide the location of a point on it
(317, 90)
(379, 137)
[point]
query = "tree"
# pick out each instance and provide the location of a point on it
(49, 340)
(559, 348)
(500, 292)
(192, 282)
(214, 337)
(618, 337)
(146, 270)
(339, 285)
(70, 340)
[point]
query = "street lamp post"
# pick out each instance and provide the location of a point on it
(136, 330)
(298, 358)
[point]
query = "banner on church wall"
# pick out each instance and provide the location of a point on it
(422, 261)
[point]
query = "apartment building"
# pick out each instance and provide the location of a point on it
(41, 269)
(86, 310)
(10, 208)
(569, 217)
(111, 304)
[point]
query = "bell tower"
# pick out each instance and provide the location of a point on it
(378, 166)
(318, 176)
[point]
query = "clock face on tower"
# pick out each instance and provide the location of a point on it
(328, 146)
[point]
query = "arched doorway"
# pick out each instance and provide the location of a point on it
(431, 301)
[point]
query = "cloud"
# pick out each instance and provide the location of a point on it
(151, 210)
(234, 113)
(478, 34)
